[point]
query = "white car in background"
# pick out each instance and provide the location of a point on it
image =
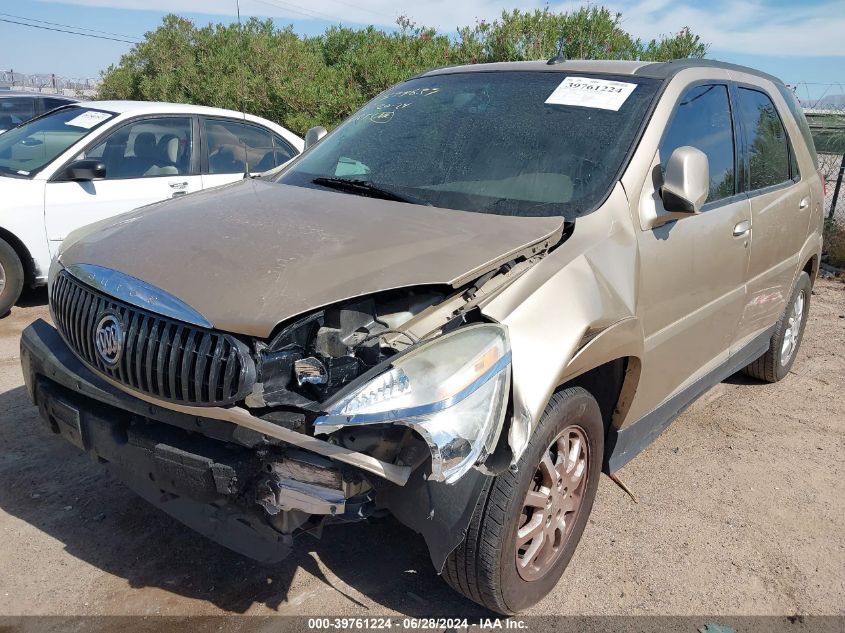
(19, 107)
(90, 161)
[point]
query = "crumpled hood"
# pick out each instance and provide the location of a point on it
(250, 255)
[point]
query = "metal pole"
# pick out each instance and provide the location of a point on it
(836, 189)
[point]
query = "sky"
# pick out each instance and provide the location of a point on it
(800, 41)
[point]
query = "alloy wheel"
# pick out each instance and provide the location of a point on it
(793, 329)
(552, 503)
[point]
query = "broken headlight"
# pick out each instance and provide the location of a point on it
(452, 391)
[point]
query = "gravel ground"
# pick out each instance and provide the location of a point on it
(741, 510)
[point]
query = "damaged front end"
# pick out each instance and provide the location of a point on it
(415, 379)
(393, 402)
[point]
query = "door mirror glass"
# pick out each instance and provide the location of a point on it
(86, 169)
(686, 183)
(314, 134)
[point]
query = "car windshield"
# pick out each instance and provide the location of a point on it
(27, 149)
(506, 143)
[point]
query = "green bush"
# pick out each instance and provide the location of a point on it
(305, 81)
(834, 242)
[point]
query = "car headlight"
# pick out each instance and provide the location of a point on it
(453, 391)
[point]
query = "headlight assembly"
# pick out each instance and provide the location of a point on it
(452, 390)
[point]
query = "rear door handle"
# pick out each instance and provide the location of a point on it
(742, 228)
(805, 202)
(178, 185)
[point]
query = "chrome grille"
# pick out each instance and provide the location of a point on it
(161, 357)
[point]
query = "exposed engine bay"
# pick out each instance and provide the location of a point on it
(311, 359)
(316, 359)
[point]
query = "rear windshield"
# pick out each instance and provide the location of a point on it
(27, 149)
(507, 143)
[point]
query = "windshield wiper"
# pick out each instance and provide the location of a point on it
(364, 188)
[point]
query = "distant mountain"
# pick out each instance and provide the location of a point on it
(829, 101)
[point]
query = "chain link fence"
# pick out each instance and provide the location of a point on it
(49, 83)
(831, 166)
(828, 128)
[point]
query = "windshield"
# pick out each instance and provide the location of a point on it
(27, 149)
(507, 143)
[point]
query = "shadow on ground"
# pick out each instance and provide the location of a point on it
(56, 488)
(32, 297)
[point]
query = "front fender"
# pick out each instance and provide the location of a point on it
(568, 308)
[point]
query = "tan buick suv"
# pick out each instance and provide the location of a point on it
(459, 307)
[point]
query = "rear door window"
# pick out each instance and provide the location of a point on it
(237, 148)
(765, 140)
(702, 120)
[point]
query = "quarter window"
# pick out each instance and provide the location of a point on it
(284, 151)
(235, 147)
(147, 148)
(801, 121)
(703, 120)
(765, 140)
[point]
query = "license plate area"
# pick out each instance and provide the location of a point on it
(63, 417)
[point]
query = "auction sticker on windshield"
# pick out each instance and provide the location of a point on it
(88, 119)
(591, 93)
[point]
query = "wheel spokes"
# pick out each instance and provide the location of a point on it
(536, 499)
(571, 469)
(551, 507)
(548, 471)
(536, 543)
(530, 530)
(793, 328)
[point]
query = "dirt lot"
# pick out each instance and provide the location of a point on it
(741, 511)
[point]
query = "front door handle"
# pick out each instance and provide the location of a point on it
(742, 228)
(178, 185)
(805, 202)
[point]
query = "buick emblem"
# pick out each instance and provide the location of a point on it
(108, 339)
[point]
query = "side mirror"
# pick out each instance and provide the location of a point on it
(314, 134)
(686, 183)
(86, 169)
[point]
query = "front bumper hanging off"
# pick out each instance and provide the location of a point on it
(216, 472)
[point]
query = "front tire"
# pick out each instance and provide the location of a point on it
(527, 523)
(11, 277)
(775, 364)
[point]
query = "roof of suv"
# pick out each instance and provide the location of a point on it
(655, 70)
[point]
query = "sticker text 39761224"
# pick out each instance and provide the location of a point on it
(591, 93)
